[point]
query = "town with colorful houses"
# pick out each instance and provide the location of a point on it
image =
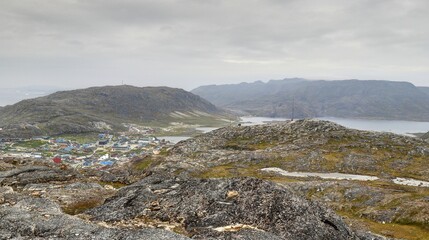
(104, 151)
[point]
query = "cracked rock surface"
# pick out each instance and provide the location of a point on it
(26, 217)
(199, 207)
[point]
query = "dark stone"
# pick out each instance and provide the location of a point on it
(202, 205)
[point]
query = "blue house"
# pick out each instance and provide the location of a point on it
(87, 163)
(68, 149)
(107, 163)
(61, 140)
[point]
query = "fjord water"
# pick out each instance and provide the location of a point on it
(393, 126)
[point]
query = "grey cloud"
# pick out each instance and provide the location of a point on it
(186, 43)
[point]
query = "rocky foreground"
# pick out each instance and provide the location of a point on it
(218, 209)
(41, 202)
(211, 187)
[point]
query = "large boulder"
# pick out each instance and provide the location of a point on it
(222, 209)
(25, 217)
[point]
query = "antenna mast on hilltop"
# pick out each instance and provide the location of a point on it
(293, 108)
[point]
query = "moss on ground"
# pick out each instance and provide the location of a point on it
(146, 163)
(232, 170)
(82, 206)
(30, 144)
(392, 230)
(80, 138)
(143, 165)
(402, 228)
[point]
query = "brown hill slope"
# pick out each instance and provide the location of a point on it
(100, 108)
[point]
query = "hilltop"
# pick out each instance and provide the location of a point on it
(347, 98)
(103, 108)
(382, 203)
(307, 145)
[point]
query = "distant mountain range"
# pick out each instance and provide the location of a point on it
(100, 109)
(370, 99)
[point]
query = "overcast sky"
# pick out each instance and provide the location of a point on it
(188, 43)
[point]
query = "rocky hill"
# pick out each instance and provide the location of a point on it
(348, 98)
(101, 108)
(320, 147)
(308, 145)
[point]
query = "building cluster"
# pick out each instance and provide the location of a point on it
(108, 150)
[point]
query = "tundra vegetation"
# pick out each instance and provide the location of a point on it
(212, 186)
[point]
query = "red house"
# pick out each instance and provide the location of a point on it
(57, 159)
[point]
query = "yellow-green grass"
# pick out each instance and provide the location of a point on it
(82, 206)
(30, 144)
(237, 170)
(146, 163)
(392, 230)
(80, 138)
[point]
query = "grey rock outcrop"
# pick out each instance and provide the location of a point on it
(35, 174)
(206, 209)
(25, 217)
(303, 145)
(73, 198)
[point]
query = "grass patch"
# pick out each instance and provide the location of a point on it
(101, 152)
(392, 230)
(333, 159)
(80, 138)
(247, 144)
(163, 152)
(410, 222)
(232, 170)
(221, 171)
(30, 144)
(145, 163)
(82, 206)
